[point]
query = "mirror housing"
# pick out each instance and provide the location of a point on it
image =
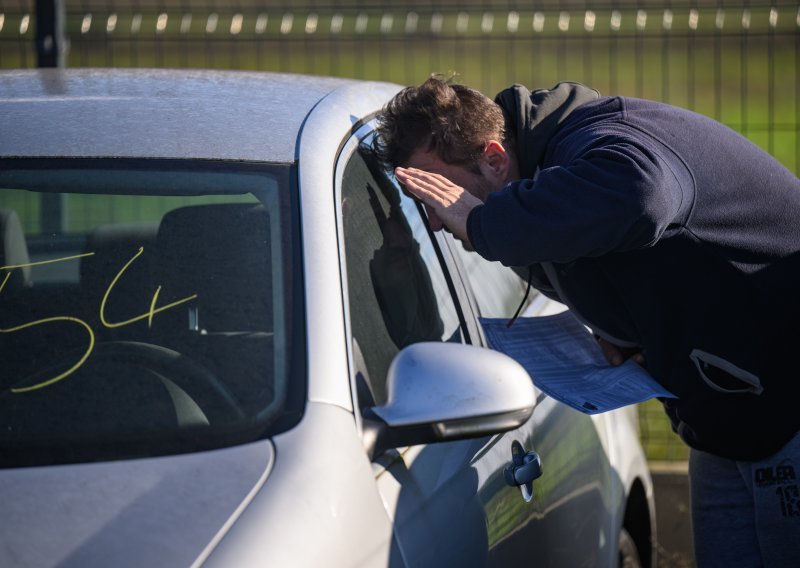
(448, 391)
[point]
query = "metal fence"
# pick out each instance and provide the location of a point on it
(738, 62)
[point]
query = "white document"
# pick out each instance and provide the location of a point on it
(565, 361)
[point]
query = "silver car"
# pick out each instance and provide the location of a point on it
(230, 339)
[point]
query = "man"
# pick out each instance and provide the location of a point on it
(672, 237)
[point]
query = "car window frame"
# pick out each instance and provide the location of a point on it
(525, 301)
(458, 291)
(294, 403)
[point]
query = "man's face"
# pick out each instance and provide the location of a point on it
(475, 183)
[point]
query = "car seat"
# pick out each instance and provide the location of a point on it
(216, 261)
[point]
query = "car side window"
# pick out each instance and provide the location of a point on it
(397, 289)
(497, 289)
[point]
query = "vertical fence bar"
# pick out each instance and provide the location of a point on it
(562, 25)
(614, 24)
(719, 23)
(666, 28)
(135, 28)
(745, 25)
(108, 39)
(50, 44)
(50, 53)
(640, 25)
(435, 24)
(512, 29)
(386, 23)
(537, 24)
(773, 20)
(589, 23)
(691, 43)
(361, 27)
(335, 29)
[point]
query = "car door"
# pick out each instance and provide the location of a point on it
(572, 521)
(449, 502)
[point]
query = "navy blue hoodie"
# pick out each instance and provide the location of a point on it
(664, 229)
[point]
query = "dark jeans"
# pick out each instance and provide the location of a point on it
(746, 513)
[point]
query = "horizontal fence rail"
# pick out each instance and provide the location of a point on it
(380, 21)
(135, 20)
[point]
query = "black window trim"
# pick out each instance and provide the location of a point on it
(461, 298)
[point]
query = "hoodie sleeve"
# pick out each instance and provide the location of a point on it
(615, 196)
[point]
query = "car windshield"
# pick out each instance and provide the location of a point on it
(145, 308)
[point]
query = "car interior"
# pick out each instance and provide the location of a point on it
(152, 329)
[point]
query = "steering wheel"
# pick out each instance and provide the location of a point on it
(197, 382)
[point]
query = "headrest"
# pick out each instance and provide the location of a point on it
(221, 253)
(112, 247)
(13, 251)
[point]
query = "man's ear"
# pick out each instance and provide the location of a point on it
(495, 162)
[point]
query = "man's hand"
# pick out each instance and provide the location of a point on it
(617, 355)
(451, 203)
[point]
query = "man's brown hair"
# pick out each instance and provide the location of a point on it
(453, 121)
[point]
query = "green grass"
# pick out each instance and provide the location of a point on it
(659, 441)
(83, 213)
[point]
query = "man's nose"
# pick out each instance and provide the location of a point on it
(433, 219)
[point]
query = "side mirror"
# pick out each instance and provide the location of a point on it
(448, 391)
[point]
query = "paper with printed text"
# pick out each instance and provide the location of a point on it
(565, 361)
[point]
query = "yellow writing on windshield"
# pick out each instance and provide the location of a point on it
(69, 371)
(152, 311)
(11, 267)
(147, 315)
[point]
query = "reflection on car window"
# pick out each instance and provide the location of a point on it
(138, 322)
(497, 289)
(398, 293)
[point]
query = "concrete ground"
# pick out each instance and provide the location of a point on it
(673, 523)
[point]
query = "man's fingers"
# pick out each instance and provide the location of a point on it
(426, 179)
(430, 178)
(611, 352)
(429, 182)
(451, 203)
(432, 189)
(421, 192)
(616, 355)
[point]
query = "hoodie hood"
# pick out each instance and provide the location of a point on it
(536, 115)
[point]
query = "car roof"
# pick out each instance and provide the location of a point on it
(168, 113)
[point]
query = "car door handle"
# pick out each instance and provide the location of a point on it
(525, 467)
(523, 470)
